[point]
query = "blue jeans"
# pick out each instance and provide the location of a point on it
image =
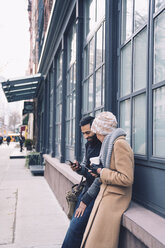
(77, 227)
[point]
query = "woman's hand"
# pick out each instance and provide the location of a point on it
(80, 210)
(96, 170)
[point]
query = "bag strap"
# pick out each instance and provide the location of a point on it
(78, 185)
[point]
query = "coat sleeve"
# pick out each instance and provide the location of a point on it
(123, 173)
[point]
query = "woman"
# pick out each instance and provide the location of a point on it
(116, 179)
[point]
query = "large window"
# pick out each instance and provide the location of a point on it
(158, 87)
(142, 77)
(93, 56)
(58, 102)
(71, 83)
(133, 76)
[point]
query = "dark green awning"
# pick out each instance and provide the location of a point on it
(24, 88)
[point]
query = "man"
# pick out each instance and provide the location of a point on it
(1, 139)
(86, 200)
(8, 140)
(21, 141)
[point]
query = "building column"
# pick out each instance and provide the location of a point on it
(79, 43)
(63, 127)
(111, 33)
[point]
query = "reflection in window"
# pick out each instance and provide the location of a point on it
(86, 61)
(99, 49)
(159, 4)
(127, 8)
(90, 99)
(85, 96)
(94, 12)
(159, 122)
(159, 51)
(98, 88)
(125, 121)
(139, 124)
(91, 56)
(125, 86)
(89, 15)
(141, 13)
(140, 60)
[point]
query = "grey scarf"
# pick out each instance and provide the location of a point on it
(105, 158)
(107, 146)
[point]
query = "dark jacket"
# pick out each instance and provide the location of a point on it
(92, 149)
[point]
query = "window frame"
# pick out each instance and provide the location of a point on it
(101, 66)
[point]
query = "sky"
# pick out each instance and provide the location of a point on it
(14, 45)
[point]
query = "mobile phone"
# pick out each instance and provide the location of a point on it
(69, 162)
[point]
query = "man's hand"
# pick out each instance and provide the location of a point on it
(76, 166)
(80, 210)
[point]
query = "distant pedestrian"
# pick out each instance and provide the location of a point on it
(1, 139)
(21, 141)
(8, 140)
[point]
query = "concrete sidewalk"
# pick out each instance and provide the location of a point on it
(30, 216)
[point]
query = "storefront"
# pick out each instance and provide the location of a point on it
(105, 55)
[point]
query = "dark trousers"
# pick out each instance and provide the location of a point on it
(77, 227)
(21, 147)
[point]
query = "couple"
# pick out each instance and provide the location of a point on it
(109, 185)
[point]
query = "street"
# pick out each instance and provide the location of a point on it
(30, 216)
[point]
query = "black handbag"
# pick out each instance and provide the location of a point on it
(72, 196)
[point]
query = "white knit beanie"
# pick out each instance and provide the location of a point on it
(104, 123)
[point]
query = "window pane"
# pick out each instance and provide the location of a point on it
(73, 131)
(99, 46)
(68, 82)
(103, 86)
(72, 45)
(90, 107)
(125, 87)
(159, 122)
(68, 107)
(85, 96)
(159, 4)
(91, 56)
(98, 88)
(159, 51)
(141, 13)
(90, 15)
(139, 124)
(74, 104)
(59, 66)
(86, 61)
(127, 8)
(100, 9)
(104, 42)
(125, 121)
(74, 76)
(140, 60)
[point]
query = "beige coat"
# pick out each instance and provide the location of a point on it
(103, 227)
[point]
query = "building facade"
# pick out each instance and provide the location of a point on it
(98, 55)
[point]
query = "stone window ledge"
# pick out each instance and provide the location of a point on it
(63, 168)
(145, 225)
